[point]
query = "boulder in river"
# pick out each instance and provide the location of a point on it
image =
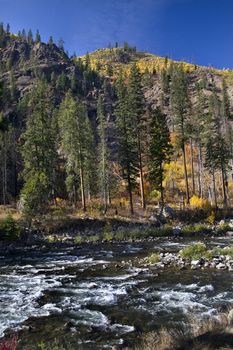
(221, 266)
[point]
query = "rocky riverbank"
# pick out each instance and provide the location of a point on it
(195, 256)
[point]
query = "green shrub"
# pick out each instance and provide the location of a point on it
(195, 251)
(136, 234)
(167, 230)
(93, 239)
(198, 228)
(224, 251)
(79, 239)
(223, 228)
(227, 251)
(120, 235)
(108, 236)
(9, 228)
(153, 258)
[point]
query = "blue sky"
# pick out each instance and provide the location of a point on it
(199, 31)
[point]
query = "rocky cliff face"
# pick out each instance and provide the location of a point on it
(22, 62)
(25, 61)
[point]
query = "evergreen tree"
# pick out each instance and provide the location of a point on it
(198, 121)
(128, 157)
(38, 151)
(180, 107)
(210, 165)
(74, 82)
(220, 146)
(136, 110)
(72, 125)
(24, 35)
(85, 83)
(90, 176)
(30, 37)
(61, 44)
(19, 35)
(225, 106)
(104, 174)
(4, 147)
(8, 28)
(50, 42)
(87, 61)
(38, 38)
(62, 82)
(227, 127)
(160, 150)
(217, 151)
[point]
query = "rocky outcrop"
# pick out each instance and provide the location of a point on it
(22, 62)
(219, 262)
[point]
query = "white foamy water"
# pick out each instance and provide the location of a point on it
(18, 298)
(21, 286)
(93, 291)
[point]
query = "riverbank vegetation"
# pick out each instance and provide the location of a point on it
(211, 334)
(206, 334)
(66, 225)
(199, 250)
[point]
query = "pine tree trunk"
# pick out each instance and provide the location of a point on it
(224, 187)
(192, 167)
(141, 174)
(143, 202)
(161, 189)
(200, 172)
(75, 196)
(82, 189)
(105, 198)
(185, 173)
(214, 189)
(130, 190)
(109, 198)
(4, 182)
(14, 156)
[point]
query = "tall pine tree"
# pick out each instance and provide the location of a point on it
(180, 107)
(160, 150)
(128, 156)
(38, 151)
(135, 114)
(103, 155)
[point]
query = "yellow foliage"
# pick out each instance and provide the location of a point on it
(211, 218)
(145, 61)
(197, 202)
(121, 201)
(59, 200)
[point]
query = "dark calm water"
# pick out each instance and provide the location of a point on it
(82, 296)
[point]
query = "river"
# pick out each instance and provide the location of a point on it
(83, 295)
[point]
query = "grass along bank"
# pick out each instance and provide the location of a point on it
(194, 256)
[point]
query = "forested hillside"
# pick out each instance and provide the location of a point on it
(111, 129)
